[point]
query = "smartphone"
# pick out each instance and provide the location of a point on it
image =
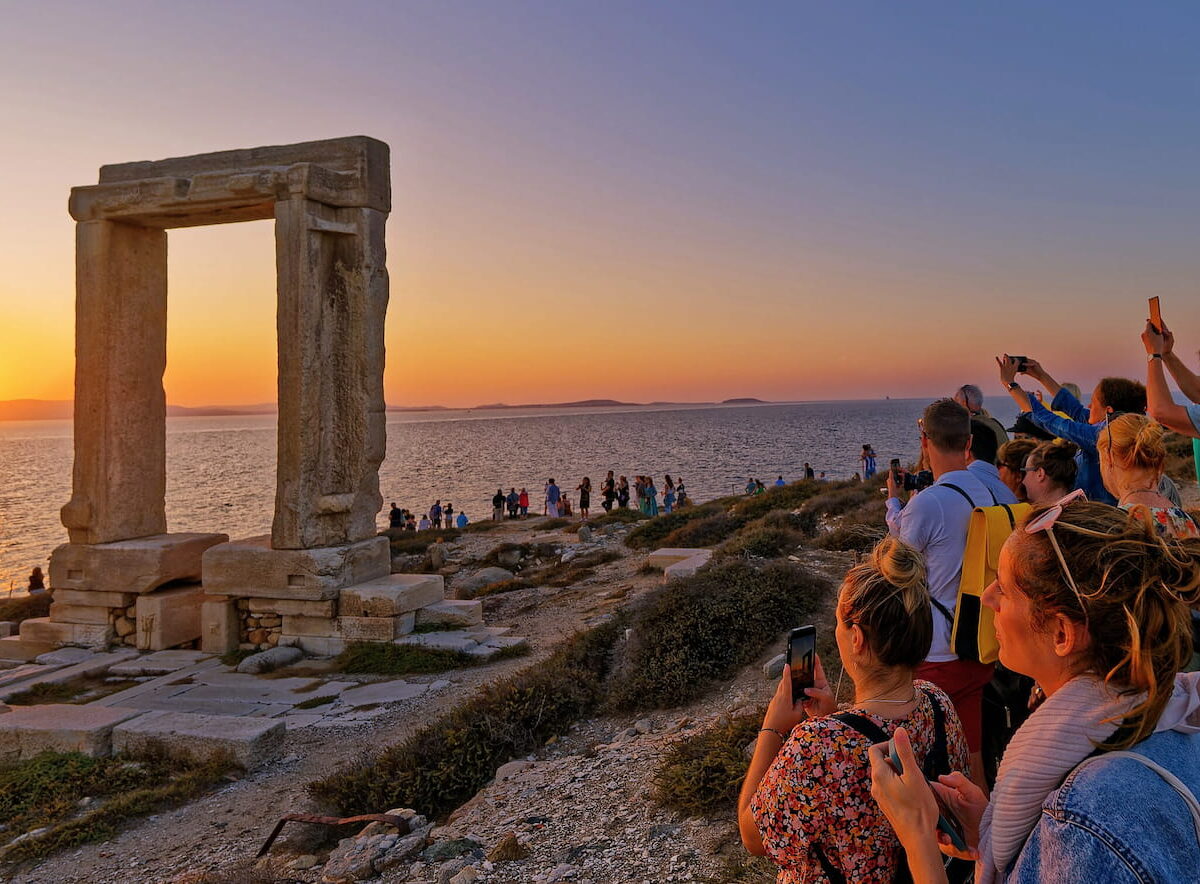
(895, 463)
(1021, 361)
(947, 821)
(1156, 315)
(802, 658)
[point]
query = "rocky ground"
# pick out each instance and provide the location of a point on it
(578, 806)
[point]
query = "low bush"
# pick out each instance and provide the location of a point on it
(760, 541)
(579, 568)
(860, 529)
(619, 516)
(44, 793)
(25, 607)
(446, 762)
(482, 527)
(552, 524)
(699, 629)
(701, 776)
(411, 543)
(844, 498)
(783, 497)
(651, 533)
(708, 531)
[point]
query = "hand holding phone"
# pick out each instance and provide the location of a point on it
(947, 822)
(802, 659)
(1156, 315)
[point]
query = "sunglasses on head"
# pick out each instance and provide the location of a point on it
(1045, 521)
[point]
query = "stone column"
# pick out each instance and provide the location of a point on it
(332, 300)
(120, 474)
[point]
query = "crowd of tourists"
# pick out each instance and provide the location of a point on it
(614, 492)
(1089, 580)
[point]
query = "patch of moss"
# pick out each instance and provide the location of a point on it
(236, 656)
(77, 690)
(382, 658)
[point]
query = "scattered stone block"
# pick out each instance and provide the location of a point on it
(65, 656)
(218, 625)
(468, 586)
(451, 613)
(129, 566)
(445, 641)
(391, 595)
(78, 614)
(252, 742)
(86, 635)
(7, 628)
(56, 727)
(14, 647)
(266, 661)
(93, 664)
(294, 607)
(169, 617)
(375, 629)
(93, 597)
(686, 567)
(773, 668)
(251, 568)
(663, 558)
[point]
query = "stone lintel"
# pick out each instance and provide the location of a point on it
(129, 566)
(251, 568)
(213, 198)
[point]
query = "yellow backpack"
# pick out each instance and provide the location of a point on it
(973, 636)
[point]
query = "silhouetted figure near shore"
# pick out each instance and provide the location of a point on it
(37, 581)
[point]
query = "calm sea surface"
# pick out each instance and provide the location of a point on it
(221, 470)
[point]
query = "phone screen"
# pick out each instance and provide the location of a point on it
(1156, 315)
(802, 658)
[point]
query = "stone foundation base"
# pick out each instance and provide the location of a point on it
(129, 566)
(252, 569)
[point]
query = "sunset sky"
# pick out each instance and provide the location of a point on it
(641, 200)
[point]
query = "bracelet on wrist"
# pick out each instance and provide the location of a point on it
(782, 736)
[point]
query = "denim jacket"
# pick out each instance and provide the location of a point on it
(1075, 428)
(1116, 820)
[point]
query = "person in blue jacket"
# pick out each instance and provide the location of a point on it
(1082, 425)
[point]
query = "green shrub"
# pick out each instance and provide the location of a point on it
(552, 524)
(701, 776)
(482, 527)
(846, 497)
(707, 531)
(383, 658)
(446, 762)
(699, 629)
(651, 533)
(859, 529)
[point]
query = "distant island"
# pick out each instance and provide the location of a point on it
(62, 409)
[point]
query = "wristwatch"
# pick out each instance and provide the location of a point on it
(1153, 356)
(1013, 385)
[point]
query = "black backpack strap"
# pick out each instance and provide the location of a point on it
(831, 872)
(964, 494)
(945, 611)
(937, 761)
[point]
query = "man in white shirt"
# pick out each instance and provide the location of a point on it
(935, 521)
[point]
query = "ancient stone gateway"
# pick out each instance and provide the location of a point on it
(122, 576)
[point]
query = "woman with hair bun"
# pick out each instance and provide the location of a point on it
(806, 799)
(1132, 456)
(1011, 465)
(1049, 471)
(1099, 783)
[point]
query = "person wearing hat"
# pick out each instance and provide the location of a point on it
(1024, 428)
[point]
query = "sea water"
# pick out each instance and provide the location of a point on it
(221, 470)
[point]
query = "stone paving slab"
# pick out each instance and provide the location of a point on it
(94, 664)
(28, 730)
(252, 742)
(161, 663)
(667, 556)
(264, 691)
(447, 641)
(297, 720)
(382, 692)
(25, 672)
(160, 703)
(156, 684)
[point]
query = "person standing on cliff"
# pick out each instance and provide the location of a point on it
(37, 581)
(553, 495)
(608, 492)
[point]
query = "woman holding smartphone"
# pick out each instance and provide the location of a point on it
(806, 799)
(1098, 783)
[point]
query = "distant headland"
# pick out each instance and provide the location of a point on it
(61, 409)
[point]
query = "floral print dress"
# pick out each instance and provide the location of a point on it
(818, 791)
(1167, 521)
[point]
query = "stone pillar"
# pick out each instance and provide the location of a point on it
(119, 479)
(332, 299)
